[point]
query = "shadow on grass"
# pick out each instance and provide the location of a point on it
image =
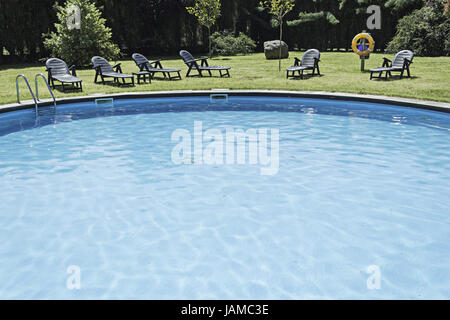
(118, 85)
(166, 79)
(67, 89)
(307, 76)
(395, 78)
(208, 77)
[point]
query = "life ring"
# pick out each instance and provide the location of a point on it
(363, 49)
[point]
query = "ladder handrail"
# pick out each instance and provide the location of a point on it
(48, 87)
(31, 91)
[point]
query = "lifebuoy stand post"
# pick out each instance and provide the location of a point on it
(363, 45)
(363, 61)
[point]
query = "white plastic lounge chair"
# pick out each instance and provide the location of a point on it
(57, 70)
(310, 61)
(193, 65)
(105, 70)
(154, 67)
(401, 63)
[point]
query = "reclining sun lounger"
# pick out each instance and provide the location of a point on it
(193, 65)
(154, 67)
(57, 70)
(401, 63)
(104, 70)
(310, 61)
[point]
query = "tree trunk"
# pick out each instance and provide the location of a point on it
(209, 41)
(281, 38)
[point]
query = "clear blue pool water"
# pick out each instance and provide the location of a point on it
(358, 185)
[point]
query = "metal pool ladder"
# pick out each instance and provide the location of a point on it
(35, 97)
(36, 78)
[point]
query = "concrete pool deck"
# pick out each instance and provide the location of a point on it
(403, 102)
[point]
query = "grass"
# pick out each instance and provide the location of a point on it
(340, 73)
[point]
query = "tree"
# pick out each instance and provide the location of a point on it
(279, 9)
(320, 17)
(425, 31)
(160, 27)
(404, 5)
(77, 45)
(321, 13)
(207, 12)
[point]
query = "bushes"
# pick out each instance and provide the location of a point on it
(425, 32)
(225, 44)
(78, 46)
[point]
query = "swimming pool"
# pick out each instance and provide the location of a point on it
(98, 202)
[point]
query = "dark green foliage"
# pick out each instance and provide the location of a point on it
(426, 32)
(21, 26)
(163, 27)
(305, 17)
(78, 46)
(403, 5)
(226, 44)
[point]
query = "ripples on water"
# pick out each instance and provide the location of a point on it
(103, 194)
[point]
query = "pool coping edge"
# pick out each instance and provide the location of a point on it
(403, 102)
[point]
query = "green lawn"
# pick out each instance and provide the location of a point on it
(340, 73)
